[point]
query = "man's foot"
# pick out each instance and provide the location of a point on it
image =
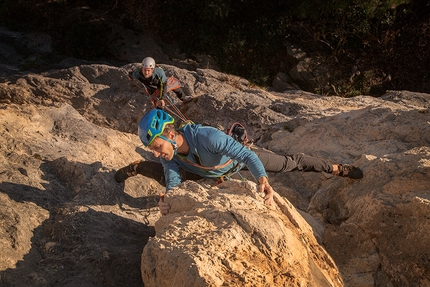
(127, 171)
(348, 171)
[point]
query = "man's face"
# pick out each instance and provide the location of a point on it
(147, 72)
(163, 148)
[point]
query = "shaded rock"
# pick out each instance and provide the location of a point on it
(17, 228)
(64, 220)
(282, 82)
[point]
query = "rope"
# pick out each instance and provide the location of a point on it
(173, 108)
(177, 111)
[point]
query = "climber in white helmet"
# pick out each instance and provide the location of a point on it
(153, 77)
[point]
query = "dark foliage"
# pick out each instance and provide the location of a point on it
(367, 46)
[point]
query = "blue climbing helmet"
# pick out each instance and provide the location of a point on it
(152, 125)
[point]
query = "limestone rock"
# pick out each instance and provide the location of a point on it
(226, 236)
(66, 222)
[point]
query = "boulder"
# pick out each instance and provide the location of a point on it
(226, 236)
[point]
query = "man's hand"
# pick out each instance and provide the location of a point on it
(265, 187)
(164, 206)
(158, 103)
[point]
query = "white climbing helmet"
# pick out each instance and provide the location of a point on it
(148, 62)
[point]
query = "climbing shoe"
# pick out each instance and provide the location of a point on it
(127, 171)
(349, 171)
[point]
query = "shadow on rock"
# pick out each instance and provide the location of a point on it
(76, 228)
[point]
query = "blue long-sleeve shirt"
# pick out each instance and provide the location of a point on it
(211, 147)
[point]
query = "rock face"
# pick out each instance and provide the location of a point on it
(226, 236)
(66, 222)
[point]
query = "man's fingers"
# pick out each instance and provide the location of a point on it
(269, 201)
(164, 206)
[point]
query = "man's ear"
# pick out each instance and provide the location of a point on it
(171, 135)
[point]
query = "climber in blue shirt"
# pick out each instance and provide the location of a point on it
(207, 152)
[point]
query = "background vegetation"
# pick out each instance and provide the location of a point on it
(368, 46)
